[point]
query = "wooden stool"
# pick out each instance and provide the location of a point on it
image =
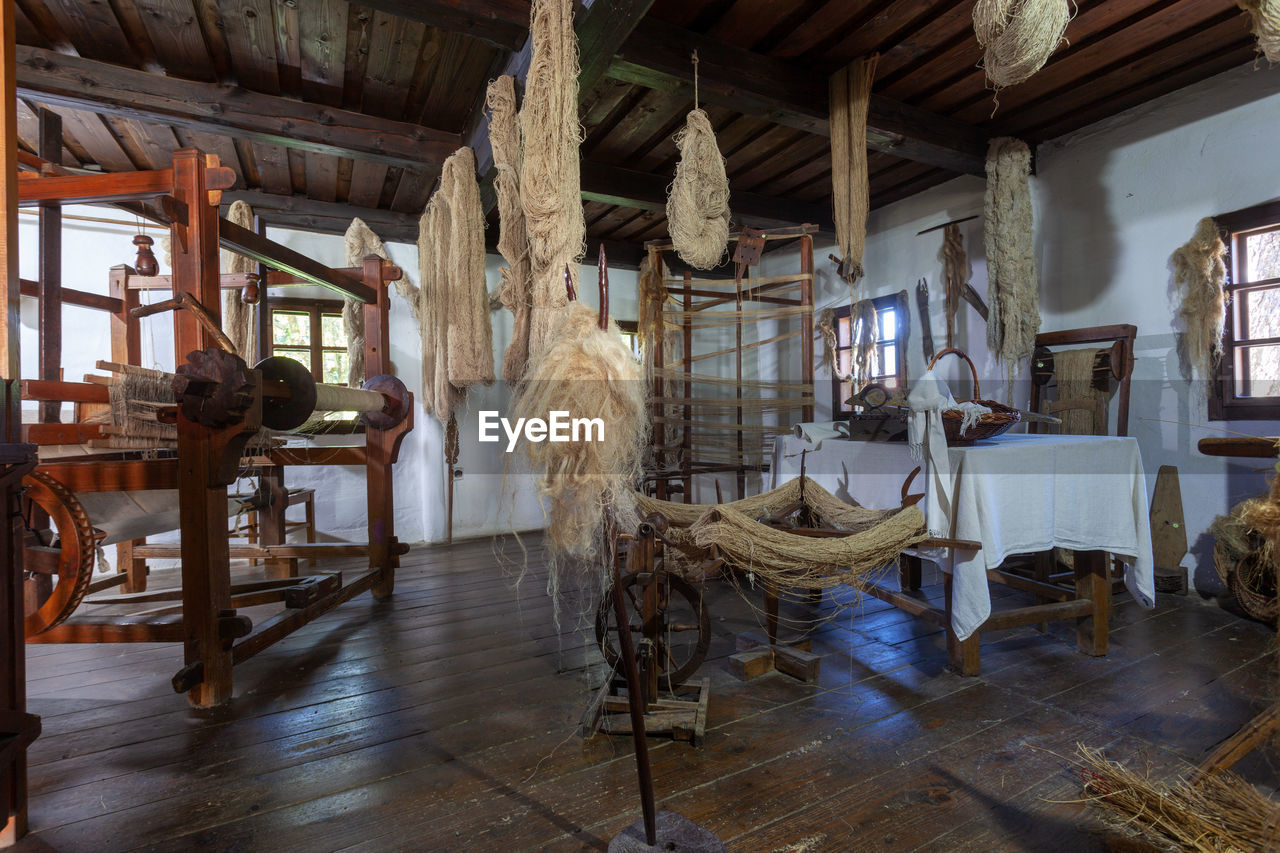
(305, 497)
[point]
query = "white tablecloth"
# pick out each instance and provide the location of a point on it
(1015, 494)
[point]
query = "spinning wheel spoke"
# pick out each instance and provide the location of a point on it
(681, 628)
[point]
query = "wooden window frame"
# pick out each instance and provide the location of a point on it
(881, 303)
(314, 309)
(1235, 228)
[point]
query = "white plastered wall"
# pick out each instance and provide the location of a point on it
(1112, 202)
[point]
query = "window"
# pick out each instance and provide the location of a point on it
(887, 369)
(1248, 383)
(630, 330)
(310, 331)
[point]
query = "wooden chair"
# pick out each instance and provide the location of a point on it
(1112, 371)
(1113, 368)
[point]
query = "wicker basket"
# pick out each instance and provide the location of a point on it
(1002, 417)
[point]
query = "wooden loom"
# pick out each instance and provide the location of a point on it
(696, 434)
(220, 404)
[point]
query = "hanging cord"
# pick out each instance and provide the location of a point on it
(694, 57)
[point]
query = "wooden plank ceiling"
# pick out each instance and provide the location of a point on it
(328, 109)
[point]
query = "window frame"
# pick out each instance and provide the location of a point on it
(1235, 228)
(314, 309)
(889, 300)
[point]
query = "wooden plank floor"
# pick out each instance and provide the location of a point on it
(445, 719)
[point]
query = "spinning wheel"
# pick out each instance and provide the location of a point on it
(58, 557)
(666, 610)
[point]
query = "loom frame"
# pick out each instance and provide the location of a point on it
(204, 618)
(764, 293)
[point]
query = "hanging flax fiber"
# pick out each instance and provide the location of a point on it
(1215, 813)
(865, 327)
(955, 272)
(850, 96)
(1265, 15)
(588, 372)
(698, 198)
(1018, 36)
(513, 237)
(549, 176)
(1200, 275)
(826, 328)
(456, 333)
(876, 537)
(239, 318)
(1013, 284)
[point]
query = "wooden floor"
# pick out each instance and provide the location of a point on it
(445, 720)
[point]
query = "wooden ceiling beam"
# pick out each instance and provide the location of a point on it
(107, 89)
(304, 214)
(501, 23)
(639, 190)
(656, 56)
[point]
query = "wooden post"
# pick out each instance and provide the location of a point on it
(202, 499)
(13, 696)
(806, 320)
(380, 445)
(963, 655)
(126, 330)
(50, 252)
(687, 443)
(659, 429)
(271, 520)
(1093, 582)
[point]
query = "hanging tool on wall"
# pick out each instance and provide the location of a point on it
(926, 330)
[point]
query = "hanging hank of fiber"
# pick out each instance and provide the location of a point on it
(513, 238)
(468, 327)
(865, 332)
(1265, 15)
(360, 241)
(550, 178)
(1013, 283)
(850, 97)
(955, 272)
(698, 198)
(1018, 36)
(1200, 275)
(239, 318)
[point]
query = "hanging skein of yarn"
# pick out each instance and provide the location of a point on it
(849, 98)
(698, 198)
(1266, 25)
(1018, 36)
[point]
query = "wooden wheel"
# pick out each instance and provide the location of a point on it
(59, 551)
(681, 631)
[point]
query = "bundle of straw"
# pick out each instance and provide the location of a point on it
(1214, 814)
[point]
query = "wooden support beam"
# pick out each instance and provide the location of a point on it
(656, 56)
(70, 296)
(278, 257)
(72, 189)
(629, 188)
(108, 89)
(501, 23)
(327, 217)
(50, 261)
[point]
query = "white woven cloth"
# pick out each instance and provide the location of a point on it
(1014, 494)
